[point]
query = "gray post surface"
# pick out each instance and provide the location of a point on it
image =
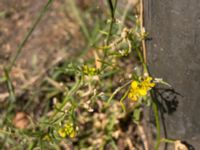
(174, 55)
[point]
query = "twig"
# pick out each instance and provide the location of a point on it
(143, 136)
(112, 11)
(117, 90)
(156, 114)
(143, 30)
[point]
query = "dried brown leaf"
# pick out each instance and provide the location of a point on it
(21, 120)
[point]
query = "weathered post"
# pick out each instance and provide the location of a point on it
(174, 55)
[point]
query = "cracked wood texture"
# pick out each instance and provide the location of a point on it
(173, 51)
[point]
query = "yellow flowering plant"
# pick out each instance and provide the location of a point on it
(67, 130)
(139, 89)
(90, 71)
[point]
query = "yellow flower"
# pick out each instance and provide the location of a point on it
(139, 89)
(62, 132)
(46, 138)
(147, 83)
(85, 69)
(132, 96)
(91, 71)
(67, 130)
(142, 91)
(134, 84)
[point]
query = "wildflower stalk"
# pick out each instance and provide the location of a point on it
(144, 61)
(145, 69)
(167, 141)
(117, 90)
(10, 88)
(156, 114)
(142, 29)
(112, 11)
(155, 109)
(112, 8)
(112, 20)
(69, 94)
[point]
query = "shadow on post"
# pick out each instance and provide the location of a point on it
(167, 101)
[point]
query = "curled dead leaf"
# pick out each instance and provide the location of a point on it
(21, 120)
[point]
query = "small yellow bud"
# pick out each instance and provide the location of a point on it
(134, 84)
(62, 133)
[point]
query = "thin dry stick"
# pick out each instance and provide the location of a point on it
(155, 106)
(140, 128)
(143, 30)
(143, 136)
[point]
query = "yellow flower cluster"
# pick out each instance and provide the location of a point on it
(140, 88)
(89, 70)
(67, 130)
(46, 138)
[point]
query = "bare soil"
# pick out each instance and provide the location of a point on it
(56, 38)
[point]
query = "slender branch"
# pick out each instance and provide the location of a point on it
(117, 90)
(112, 11)
(167, 141)
(143, 30)
(156, 114)
(111, 8)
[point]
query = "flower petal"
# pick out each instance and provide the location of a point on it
(134, 84)
(142, 91)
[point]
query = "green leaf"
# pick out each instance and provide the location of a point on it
(137, 115)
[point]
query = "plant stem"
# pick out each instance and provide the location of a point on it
(143, 30)
(155, 109)
(167, 141)
(112, 11)
(110, 31)
(11, 91)
(117, 90)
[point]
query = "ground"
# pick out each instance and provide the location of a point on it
(57, 37)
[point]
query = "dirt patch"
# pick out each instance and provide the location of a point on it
(53, 39)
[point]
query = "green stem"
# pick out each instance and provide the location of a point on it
(117, 90)
(69, 94)
(112, 11)
(145, 70)
(155, 109)
(10, 88)
(111, 8)
(22, 44)
(167, 141)
(110, 31)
